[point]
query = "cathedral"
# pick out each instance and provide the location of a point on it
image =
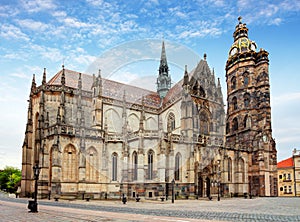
(93, 136)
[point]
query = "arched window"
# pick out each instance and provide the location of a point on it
(233, 83)
(247, 121)
(135, 165)
(70, 164)
(246, 80)
(246, 99)
(234, 103)
(150, 165)
(204, 123)
(177, 167)
(171, 122)
(229, 169)
(114, 167)
(241, 169)
(91, 165)
(235, 124)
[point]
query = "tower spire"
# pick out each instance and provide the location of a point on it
(44, 77)
(164, 79)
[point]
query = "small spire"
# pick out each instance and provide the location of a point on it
(219, 83)
(79, 82)
(186, 76)
(44, 77)
(63, 77)
(33, 84)
(99, 73)
(204, 56)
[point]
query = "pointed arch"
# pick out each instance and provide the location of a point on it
(204, 122)
(178, 164)
(246, 78)
(70, 164)
(135, 165)
(241, 170)
(246, 100)
(233, 82)
(234, 103)
(171, 122)
(133, 122)
(229, 169)
(151, 124)
(114, 121)
(247, 121)
(114, 176)
(91, 171)
(235, 124)
(150, 161)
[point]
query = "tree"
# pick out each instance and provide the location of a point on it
(10, 178)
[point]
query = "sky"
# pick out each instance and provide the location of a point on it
(123, 39)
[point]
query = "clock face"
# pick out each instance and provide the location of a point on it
(233, 51)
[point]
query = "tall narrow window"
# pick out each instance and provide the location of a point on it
(229, 169)
(150, 165)
(242, 170)
(91, 165)
(135, 165)
(235, 124)
(204, 123)
(114, 167)
(234, 103)
(69, 163)
(171, 122)
(247, 121)
(246, 100)
(177, 166)
(233, 83)
(246, 80)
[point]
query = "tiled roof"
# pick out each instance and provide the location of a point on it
(111, 89)
(286, 163)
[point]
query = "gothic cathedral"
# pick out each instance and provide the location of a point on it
(94, 136)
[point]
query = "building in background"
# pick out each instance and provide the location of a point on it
(95, 136)
(286, 178)
(289, 175)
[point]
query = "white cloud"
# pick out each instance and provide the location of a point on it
(293, 97)
(8, 11)
(73, 22)
(33, 25)
(37, 5)
(9, 31)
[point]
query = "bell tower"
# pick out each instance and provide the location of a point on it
(248, 123)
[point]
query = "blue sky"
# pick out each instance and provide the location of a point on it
(89, 34)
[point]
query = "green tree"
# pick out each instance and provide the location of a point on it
(10, 178)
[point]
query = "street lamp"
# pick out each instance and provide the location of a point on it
(173, 182)
(32, 205)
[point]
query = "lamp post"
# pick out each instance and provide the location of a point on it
(173, 182)
(32, 205)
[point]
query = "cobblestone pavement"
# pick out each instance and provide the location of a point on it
(231, 209)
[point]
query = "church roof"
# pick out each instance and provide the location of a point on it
(111, 89)
(286, 163)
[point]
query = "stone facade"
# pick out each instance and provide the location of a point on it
(95, 136)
